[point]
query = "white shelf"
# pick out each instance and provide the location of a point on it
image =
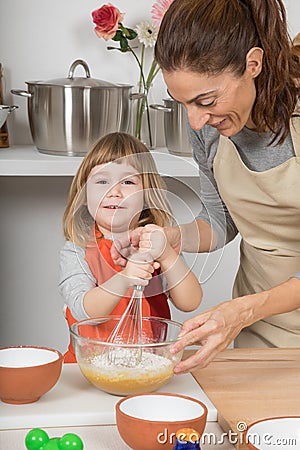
(26, 160)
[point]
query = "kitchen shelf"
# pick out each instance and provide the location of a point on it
(26, 160)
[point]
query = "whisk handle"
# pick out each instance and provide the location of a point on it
(139, 288)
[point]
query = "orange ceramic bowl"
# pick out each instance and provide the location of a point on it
(150, 421)
(27, 372)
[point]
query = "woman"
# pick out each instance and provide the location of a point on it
(230, 64)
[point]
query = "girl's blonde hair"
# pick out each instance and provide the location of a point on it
(77, 221)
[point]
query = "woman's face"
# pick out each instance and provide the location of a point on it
(115, 197)
(223, 102)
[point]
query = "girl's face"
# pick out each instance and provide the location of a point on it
(115, 197)
(223, 102)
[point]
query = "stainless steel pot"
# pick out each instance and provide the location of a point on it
(4, 111)
(68, 115)
(176, 135)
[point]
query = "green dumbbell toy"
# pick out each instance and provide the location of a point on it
(38, 439)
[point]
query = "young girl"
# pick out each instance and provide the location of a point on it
(116, 189)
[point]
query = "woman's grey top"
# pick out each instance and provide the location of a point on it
(257, 156)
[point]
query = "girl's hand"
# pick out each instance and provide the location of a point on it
(153, 241)
(139, 273)
(213, 330)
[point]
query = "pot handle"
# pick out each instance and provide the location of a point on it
(79, 62)
(161, 108)
(21, 93)
(136, 96)
(12, 108)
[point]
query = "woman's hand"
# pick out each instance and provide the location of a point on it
(213, 330)
(153, 241)
(174, 238)
(123, 248)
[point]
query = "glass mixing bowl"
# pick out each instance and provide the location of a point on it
(118, 367)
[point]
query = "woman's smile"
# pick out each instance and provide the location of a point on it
(218, 125)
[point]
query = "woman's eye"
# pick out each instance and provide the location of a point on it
(208, 102)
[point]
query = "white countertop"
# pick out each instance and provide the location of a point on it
(26, 160)
(75, 406)
(75, 402)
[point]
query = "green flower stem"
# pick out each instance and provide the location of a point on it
(124, 30)
(148, 119)
(154, 69)
(142, 68)
(140, 104)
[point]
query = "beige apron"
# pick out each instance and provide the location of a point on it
(265, 207)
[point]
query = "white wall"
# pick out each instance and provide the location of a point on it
(293, 16)
(31, 236)
(39, 40)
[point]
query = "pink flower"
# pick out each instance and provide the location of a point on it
(158, 10)
(107, 19)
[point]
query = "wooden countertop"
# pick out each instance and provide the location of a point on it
(246, 385)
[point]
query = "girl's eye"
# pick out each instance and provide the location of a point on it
(131, 180)
(101, 182)
(128, 182)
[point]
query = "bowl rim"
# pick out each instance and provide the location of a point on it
(115, 344)
(267, 419)
(38, 347)
(169, 394)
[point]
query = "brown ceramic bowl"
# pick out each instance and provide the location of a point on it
(150, 421)
(27, 372)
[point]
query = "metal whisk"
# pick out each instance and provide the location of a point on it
(128, 331)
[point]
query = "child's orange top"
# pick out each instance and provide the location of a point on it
(102, 266)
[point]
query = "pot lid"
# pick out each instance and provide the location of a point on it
(85, 82)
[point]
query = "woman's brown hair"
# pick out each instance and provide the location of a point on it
(213, 36)
(77, 221)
